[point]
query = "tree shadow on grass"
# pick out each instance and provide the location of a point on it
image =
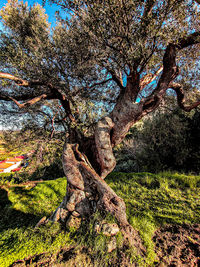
(11, 218)
(51, 172)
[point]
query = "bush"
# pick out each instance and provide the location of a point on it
(166, 141)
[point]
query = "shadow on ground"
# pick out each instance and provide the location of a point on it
(11, 218)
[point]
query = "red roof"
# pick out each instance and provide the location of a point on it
(5, 165)
(16, 159)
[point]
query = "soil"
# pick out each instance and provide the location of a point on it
(178, 246)
(175, 246)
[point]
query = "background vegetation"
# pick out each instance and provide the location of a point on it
(166, 140)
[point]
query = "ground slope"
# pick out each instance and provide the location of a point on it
(164, 208)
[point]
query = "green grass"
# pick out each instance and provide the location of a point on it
(152, 200)
(21, 209)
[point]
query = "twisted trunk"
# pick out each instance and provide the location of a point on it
(85, 166)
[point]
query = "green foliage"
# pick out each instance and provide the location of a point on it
(152, 200)
(95, 45)
(166, 141)
(125, 32)
(29, 26)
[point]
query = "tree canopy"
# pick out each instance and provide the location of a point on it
(98, 51)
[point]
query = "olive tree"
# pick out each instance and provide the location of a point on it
(118, 58)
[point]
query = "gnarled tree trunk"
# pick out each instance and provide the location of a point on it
(88, 162)
(85, 166)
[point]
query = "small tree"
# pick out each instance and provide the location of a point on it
(123, 55)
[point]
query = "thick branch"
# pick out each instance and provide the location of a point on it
(106, 158)
(30, 102)
(189, 40)
(54, 93)
(170, 72)
(20, 81)
(126, 112)
(181, 97)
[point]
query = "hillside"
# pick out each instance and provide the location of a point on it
(164, 208)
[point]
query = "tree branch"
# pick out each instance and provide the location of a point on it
(149, 78)
(116, 79)
(191, 39)
(20, 81)
(25, 97)
(181, 97)
(170, 70)
(30, 102)
(99, 83)
(55, 93)
(148, 9)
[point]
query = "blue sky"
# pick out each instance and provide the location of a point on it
(50, 9)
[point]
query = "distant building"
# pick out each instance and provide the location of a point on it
(11, 164)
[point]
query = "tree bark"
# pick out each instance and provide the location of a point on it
(87, 190)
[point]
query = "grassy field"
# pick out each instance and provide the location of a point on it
(152, 201)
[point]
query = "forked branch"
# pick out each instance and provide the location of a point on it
(53, 93)
(170, 72)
